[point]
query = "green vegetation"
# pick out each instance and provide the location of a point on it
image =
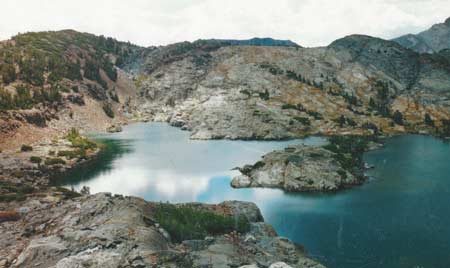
(371, 126)
(342, 121)
(428, 121)
(381, 103)
(264, 95)
(398, 118)
(13, 191)
(26, 148)
(185, 223)
(42, 60)
(445, 129)
(303, 120)
(35, 159)
(26, 98)
(79, 142)
(92, 72)
(54, 161)
(288, 106)
(107, 108)
(68, 194)
(245, 92)
(8, 73)
(348, 150)
(78, 153)
(294, 76)
(273, 69)
(315, 114)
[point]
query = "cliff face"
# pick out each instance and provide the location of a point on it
(432, 40)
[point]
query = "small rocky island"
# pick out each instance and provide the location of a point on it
(302, 168)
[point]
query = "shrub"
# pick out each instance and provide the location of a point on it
(12, 197)
(315, 114)
(428, 121)
(186, 223)
(107, 108)
(68, 194)
(13, 192)
(8, 73)
(398, 118)
(264, 95)
(288, 106)
(6, 100)
(348, 150)
(245, 92)
(303, 120)
(342, 173)
(71, 154)
(26, 148)
(54, 161)
(35, 159)
(80, 142)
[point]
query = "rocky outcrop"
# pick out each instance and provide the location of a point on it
(114, 128)
(297, 169)
(116, 231)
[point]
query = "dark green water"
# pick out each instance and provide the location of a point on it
(399, 219)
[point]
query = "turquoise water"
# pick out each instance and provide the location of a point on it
(399, 219)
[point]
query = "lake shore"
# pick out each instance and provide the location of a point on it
(33, 228)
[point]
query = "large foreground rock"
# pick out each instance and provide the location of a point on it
(114, 231)
(297, 169)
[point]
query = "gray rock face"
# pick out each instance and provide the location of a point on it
(297, 169)
(250, 92)
(113, 231)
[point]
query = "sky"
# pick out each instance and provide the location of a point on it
(161, 22)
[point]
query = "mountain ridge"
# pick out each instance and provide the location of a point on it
(160, 83)
(432, 40)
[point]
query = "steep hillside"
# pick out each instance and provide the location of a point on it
(219, 89)
(432, 40)
(61, 75)
(359, 85)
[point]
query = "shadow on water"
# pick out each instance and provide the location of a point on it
(102, 163)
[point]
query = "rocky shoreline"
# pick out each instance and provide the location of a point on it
(44, 226)
(102, 230)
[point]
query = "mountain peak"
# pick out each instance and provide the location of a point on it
(432, 40)
(447, 22)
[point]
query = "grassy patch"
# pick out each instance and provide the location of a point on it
(79, 141)
(68, 194)
(54, 161)
(78, 153)
(14, 192)
(185, 223)
(35, 159)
